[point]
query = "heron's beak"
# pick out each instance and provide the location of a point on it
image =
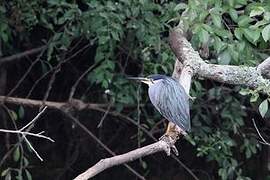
(141, 79)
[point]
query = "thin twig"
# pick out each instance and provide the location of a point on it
(26, 133)
(33, 149)
(55, 68)
(27, 72)
(104, 115)
(35, 118)
(264, 141)
(74, 87)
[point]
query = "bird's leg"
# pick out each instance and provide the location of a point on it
(171, 136)
(192, 98)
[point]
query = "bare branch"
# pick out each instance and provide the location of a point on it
(74, 87)
(32, 148)
(77, 104)
(24, 132)
(21, 55)
(124, 158)
(35, 118)
(264, 68)
(263, 140)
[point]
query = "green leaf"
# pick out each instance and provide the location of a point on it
(263, 108)
(266, 33)
(238, 33)
(13, 115)
(267, 16)
(252, 35)
(233, 14)
(103, 39)
(180, 6)
(219, 45)
(242, 2)
(4, 37)
(254, 97)
(144, 165)
(25, 161)
(16, 154)
(4, 173)
(115, 35)
(256, 12)
(216, 20)
(203, 35)
(224, 58)
(21, 112)
(243, 21)
(164, 56)
(28, 175)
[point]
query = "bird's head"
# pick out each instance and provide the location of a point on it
(149, 80)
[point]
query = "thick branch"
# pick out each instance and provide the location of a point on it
(21, 55)
(241, 75)
(264, 68)
(74, 103)
(124, 158)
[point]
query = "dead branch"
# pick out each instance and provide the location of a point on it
(124, 158)
(74, 103)
(21, 55)
(24, 132)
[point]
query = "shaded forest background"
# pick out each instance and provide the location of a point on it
(57, 50)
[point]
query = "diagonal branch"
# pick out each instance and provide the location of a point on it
(21, 55)
(124, 158)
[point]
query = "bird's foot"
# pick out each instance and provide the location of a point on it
(192, 98)
(170, 141)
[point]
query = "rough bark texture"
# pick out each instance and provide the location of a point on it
(124, 158)
(252, 77)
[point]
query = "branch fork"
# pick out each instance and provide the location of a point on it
(24, 131)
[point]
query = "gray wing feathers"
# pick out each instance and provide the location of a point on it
(171, 100)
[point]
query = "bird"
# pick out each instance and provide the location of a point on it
(170, 99)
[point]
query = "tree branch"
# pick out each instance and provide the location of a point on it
(124, 158)
(21, 55)
(74, 103)
(241, 75)
(264, 68)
